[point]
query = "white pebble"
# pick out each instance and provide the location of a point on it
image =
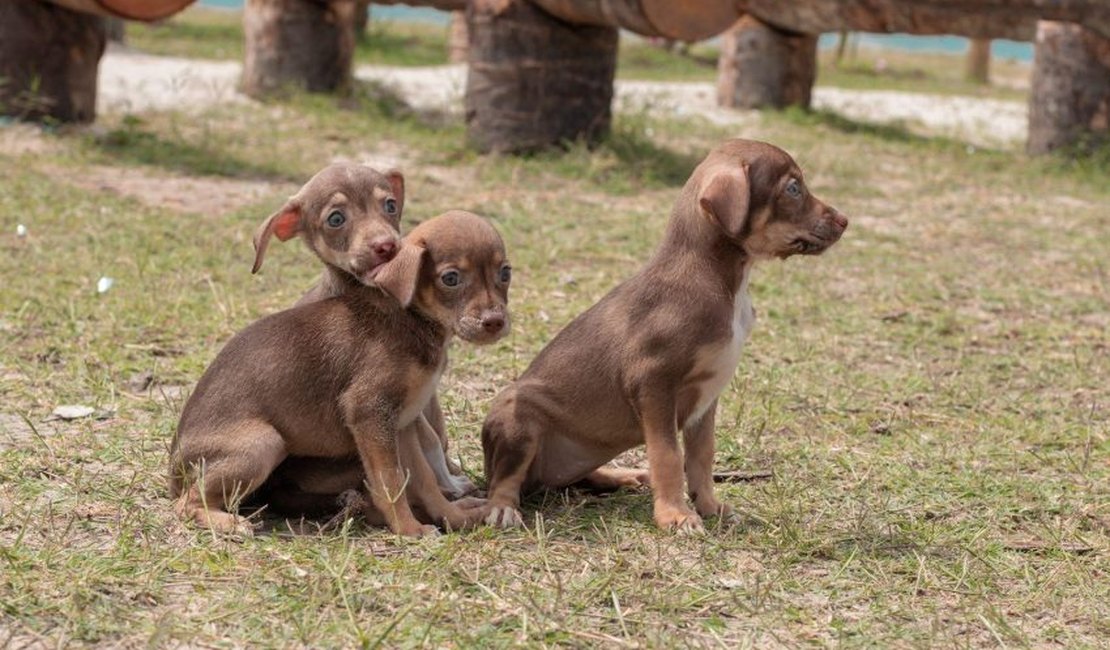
(21, 231)
(104, 283)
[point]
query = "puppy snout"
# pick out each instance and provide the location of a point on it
(493, 322)
(385, 248)
(840, 220)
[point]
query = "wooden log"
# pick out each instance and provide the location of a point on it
(1069, 103)
(978, 68)
(362, 18)
(48, 61)
(457, 38)
(535, 81)
(1014, 19)
(146, 10)
(764, 67)
(299, 44)
(683, 20)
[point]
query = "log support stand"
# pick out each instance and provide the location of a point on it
(48, 61)
(535, 81)
(764, 67)
(297, 43)
(1069, 102)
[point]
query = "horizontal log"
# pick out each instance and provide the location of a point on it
(145, 10)
(442, 5)
(684, 20)
(1014, 19)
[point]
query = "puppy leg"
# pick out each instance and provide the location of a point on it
(509, 450)
(700, 445)
(233, 464)
(424, 489)
(665, 466)
(608, 479)
(386, 480)
(452, 486)
(433, 412)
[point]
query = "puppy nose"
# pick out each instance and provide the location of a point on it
(385, 248)
(839, 219)
(493, 323)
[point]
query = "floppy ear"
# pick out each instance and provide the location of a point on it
(397, 185)
(400, 275)
(726, 198)
(285, 223)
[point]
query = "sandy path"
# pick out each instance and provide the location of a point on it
(134, 82)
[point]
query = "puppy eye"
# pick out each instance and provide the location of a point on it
(336, 219)
(794, 189)
(506, 274)
(450, 279)
(390, 206)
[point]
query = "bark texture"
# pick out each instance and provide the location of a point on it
(535, 81)
(130, 9)
(684, 20)
(297, 43)
(1015, 19)
(48, 61)
(764, 67)
(1069, 102)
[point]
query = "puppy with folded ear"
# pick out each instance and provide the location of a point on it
(344, 377)
(652, 357)
(348, 215)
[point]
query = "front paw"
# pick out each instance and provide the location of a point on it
(504, 517)
(682, 520)
(460, 486)
(711, 507)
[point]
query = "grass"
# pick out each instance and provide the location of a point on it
(930, 397)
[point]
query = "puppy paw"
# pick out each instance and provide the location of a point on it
(420, 530)
(504, 517)
(681, 520)
(470, 503)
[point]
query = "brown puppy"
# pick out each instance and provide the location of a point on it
(345, 376)
(348, 215)
(654, 354)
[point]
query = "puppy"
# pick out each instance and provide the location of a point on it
(343, 377)
(654, 354)
(348, 215)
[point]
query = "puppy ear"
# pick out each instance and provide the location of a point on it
(399, 276)
(285, 223)
(726, 198)
(397, 186)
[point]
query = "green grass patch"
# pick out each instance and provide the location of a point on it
(929, 397)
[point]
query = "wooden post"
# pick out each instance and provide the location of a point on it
(535, 81)
(362, 18)
(761, 66)
(297, 43)
(978, 69)
(457, 39)
(48, 61)
(1069, 102)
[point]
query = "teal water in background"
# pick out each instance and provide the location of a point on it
(1000, 49)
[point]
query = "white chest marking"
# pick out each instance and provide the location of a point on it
(721, 359)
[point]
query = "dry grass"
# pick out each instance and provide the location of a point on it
(930, 397)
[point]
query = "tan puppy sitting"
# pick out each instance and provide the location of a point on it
(653, 355)
(345, 377)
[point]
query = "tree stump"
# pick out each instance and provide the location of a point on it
(362, 18)
(299, 44)
(1069, 102)
(978, 69)
(761, 66)
(457, 38)
(48, 61)
(535, 81)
